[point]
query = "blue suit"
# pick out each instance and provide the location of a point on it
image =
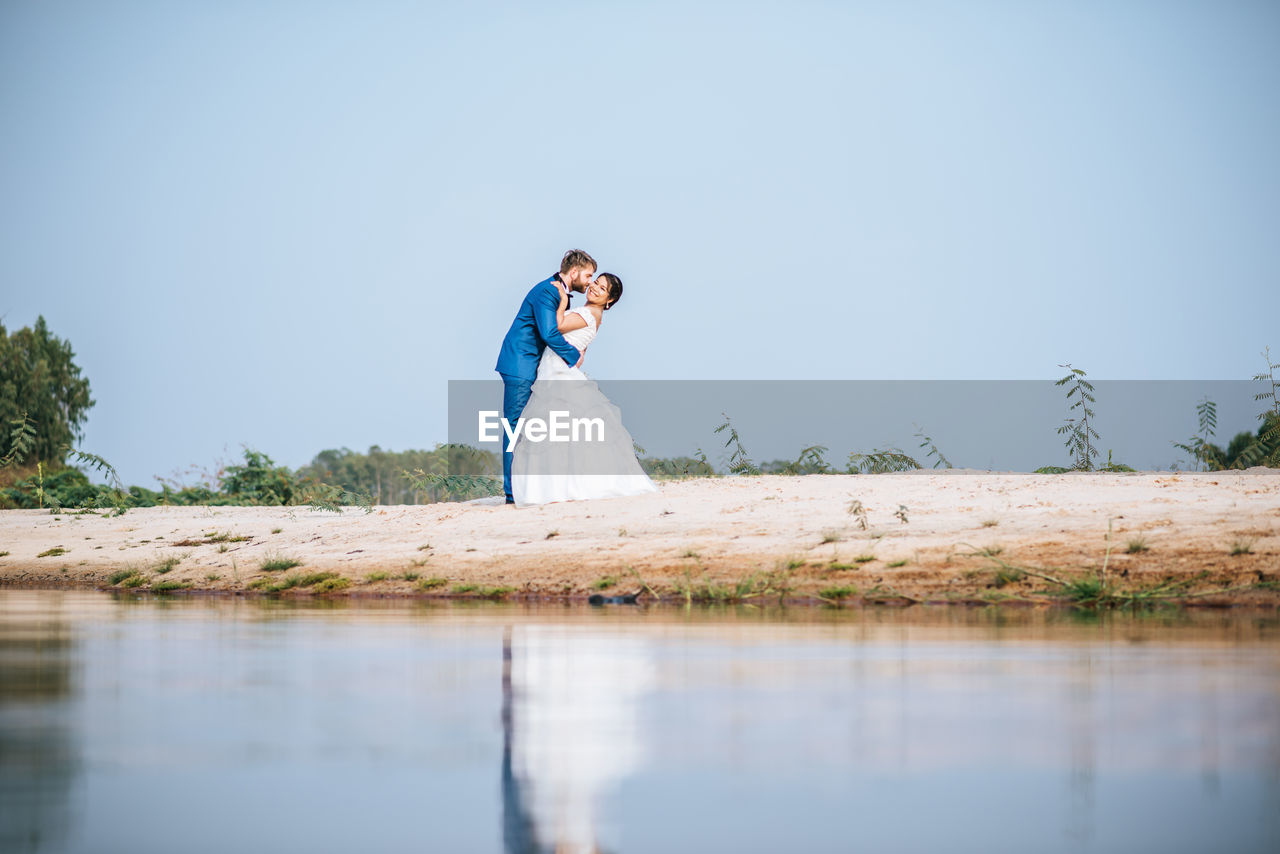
(533, 330)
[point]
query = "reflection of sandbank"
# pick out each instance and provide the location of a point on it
(573, 726)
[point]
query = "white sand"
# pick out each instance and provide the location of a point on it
(721, 529)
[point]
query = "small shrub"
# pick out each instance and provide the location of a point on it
(864, 558)
(837, 593)
(1138, 544)
(276, 563)
(990, 523)
(1242, 547)
(432, 583)
(170, 584)
(605, 582)
(551, 534)
(166, 565)
(831, 536)
(465, 588)
(329, 585)
(377, 576)
(276, 530)
(894, 564)
(1008, 576)
(316, 578)
(121, 574)
(411, 576)
(53, 552)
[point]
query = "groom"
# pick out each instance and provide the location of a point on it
(533, 330)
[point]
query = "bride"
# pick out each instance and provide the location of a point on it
(604, 465)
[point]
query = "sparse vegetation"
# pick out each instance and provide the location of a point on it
(277, 562)
(881, 461)
(831, 536)
(53, 552)
(739, 461)
(377, 576)
(1079, 432)
(1008, 576)
(927, 442)
(166, 565)
(894, 564)
(837, 593)
(318, 582)
(990, 523)
(121, 574)
(168, 585)
(432, 583)
(1242, 547)
(411, 575)
(604, 582)
(1137, 545)
(750, 586)
(209, 539)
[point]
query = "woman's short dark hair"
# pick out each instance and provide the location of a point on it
(615, 289)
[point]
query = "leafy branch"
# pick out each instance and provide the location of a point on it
(1079, 432)
(927, 442)
(739, 462)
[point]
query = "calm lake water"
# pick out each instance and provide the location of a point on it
(136, 724)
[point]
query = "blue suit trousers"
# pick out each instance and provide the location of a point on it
(515, 395)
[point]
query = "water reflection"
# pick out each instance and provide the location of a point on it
(570, 733)
(277, 726)
(37, 751)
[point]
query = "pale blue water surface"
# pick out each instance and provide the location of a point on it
(138, 724)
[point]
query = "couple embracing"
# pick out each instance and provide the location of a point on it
(542, 378)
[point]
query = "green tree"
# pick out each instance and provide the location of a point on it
(40, 380)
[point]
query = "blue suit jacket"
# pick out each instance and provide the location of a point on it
(533, 330)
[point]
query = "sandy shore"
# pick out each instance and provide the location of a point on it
(795, 536)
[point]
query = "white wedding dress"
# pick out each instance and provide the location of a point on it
(546, 471)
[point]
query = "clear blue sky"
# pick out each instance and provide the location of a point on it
(289, 224)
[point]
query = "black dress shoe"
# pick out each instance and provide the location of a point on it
(511, 501)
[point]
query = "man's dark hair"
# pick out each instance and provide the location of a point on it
(577, 258)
